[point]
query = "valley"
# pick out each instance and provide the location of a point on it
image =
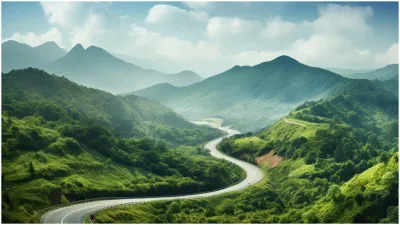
(199, 112)
(78, 212)
(57, 135)
(324, 165)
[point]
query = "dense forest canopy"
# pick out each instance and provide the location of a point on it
(62, 142)
(334, 160)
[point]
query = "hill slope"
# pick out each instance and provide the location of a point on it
(249, 97)
(31, 91)
(184, 78)
(385, 73)
(62, 142)
(17, 55)
(97, 68)
(330, 161)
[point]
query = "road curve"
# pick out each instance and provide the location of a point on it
(77, 212)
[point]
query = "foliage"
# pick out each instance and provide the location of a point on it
(62, 142)
(341, 166)
(56, 100)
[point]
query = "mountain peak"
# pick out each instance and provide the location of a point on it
(11, 42)
(284, 59)
(49, 43)
(77, 47)
(97, 51)
(14, 43)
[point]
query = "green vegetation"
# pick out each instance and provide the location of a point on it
(248, 97)
(56, 100)
(341, 166)
(62, 142)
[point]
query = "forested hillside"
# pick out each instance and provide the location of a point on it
(330, 161)
(62, 142)
(248, 97)
(29, 92)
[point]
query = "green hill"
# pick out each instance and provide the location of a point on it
(249, 98)
(31, 92)
(62, 142)
(334, 161)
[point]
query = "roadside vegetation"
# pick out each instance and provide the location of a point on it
(340, 165)
(58, 147)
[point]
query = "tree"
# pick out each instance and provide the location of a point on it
(31, 169)
(334, 192)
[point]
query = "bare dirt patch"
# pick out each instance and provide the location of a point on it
(271, 159)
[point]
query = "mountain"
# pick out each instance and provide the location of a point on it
(391, 85)
(184, 78)
(345, 72)
(334, 160)
(62, 142)
(248, 97)
(385, 73)
(97, 68)
(31, 91)
(17, 55)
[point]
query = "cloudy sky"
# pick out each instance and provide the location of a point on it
(209, 38)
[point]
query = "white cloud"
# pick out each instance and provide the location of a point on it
(343, 20)
(34, 39)
(198, 5)
(64, 14)
(390, 56)
(175, 38)
(278, 28)
(171, 20)
(190, 55)
(225, 27)
(255, 57)
(91, 32)
(161, 14)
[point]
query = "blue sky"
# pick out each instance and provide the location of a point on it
(211, 37)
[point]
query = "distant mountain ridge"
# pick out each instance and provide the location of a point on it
(250, 97)
(387, 72)
(97, 68)
(184, 78)
(17, 55)
(93, 67)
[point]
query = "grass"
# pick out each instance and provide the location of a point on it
(253, 143)
(284, 131)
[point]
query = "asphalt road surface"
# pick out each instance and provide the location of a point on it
(76, 213)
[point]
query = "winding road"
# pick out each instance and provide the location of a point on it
(76, 213)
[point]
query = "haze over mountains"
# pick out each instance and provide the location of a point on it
(93, 67)
(385, 73)
(17, 55)
(125, 116)
(249, 97)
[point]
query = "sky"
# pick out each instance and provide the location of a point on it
(210, 37)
